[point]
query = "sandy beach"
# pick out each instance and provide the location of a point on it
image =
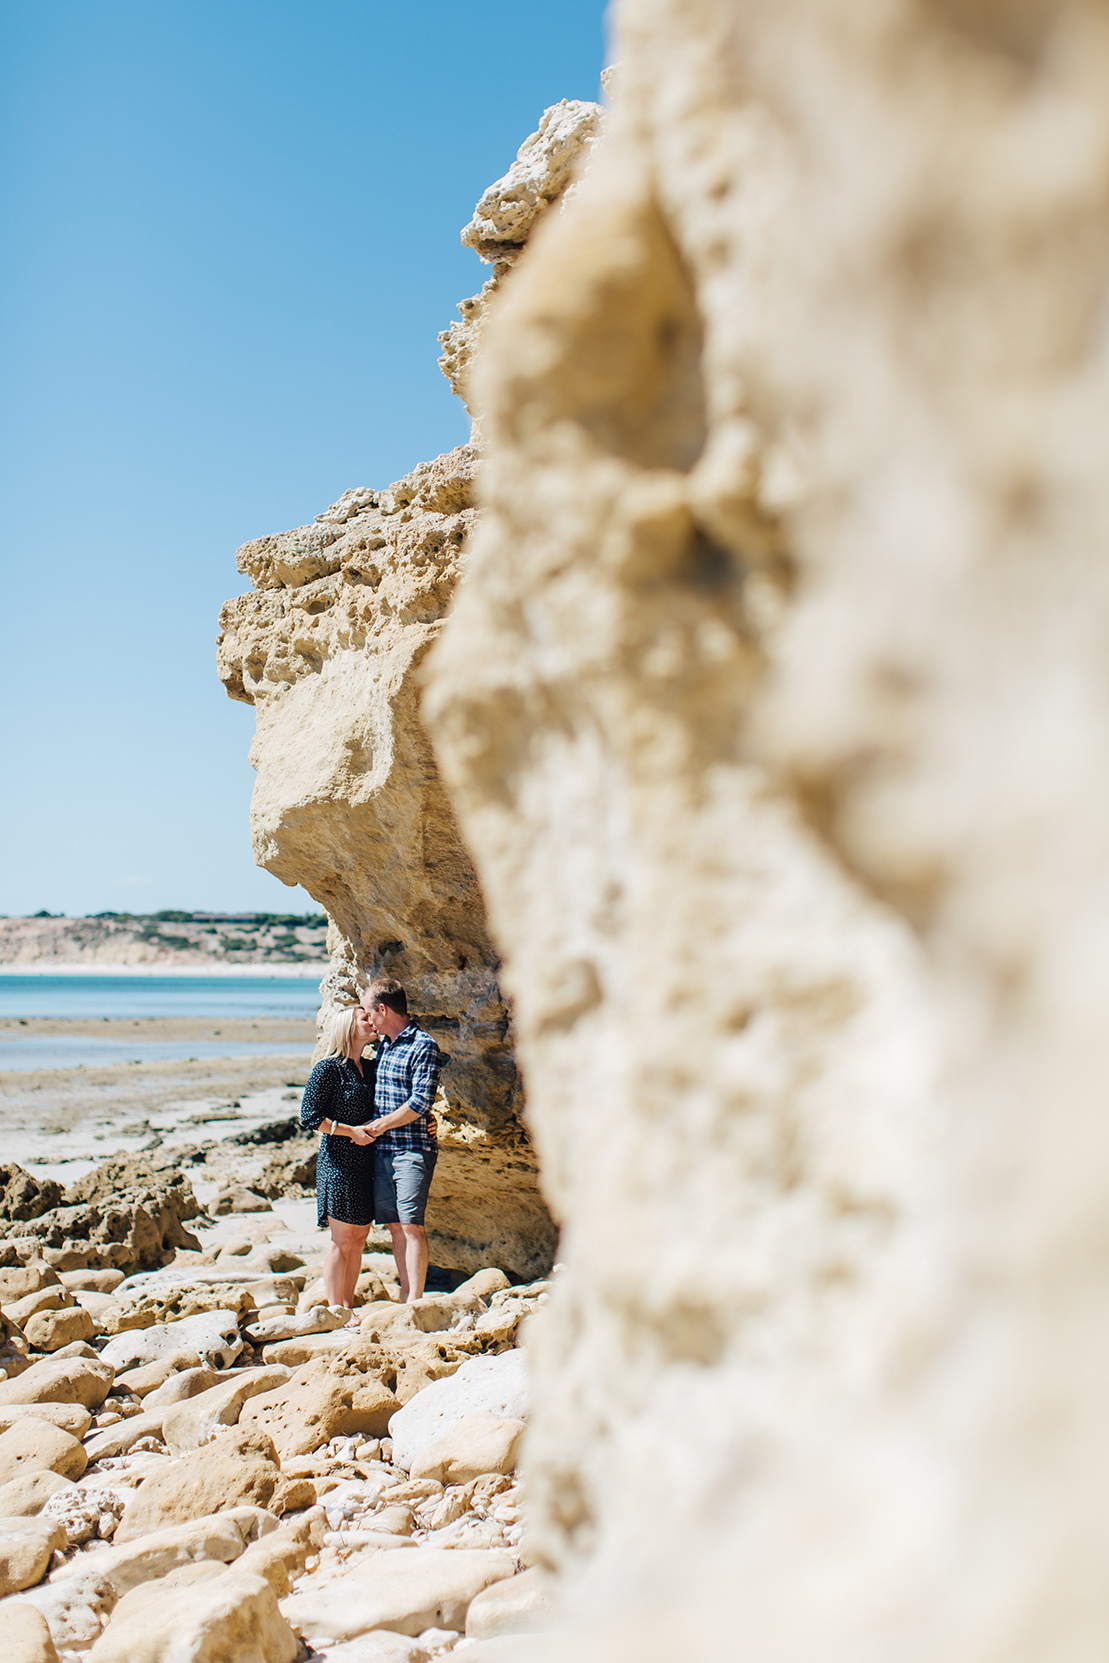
(61, 1121)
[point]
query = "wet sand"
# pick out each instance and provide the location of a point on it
(158, 1028)
(60, 1121)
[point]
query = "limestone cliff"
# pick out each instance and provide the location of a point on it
(348, 802)
(774, 705)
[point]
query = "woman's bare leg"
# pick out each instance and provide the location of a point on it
(343, 1261)
(354, 1264)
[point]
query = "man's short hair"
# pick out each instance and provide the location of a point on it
(385, 991)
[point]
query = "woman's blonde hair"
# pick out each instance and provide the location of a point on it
(340, 1031)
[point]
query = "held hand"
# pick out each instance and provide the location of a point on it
(360, 1136)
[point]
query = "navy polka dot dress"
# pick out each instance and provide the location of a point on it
(344, 1172)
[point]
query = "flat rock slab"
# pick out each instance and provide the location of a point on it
(181, 1385)
(317, 1319)
(233, 1616)
(485, 1385)
(511, 1648)
(150, 1376)
(405, 1592)
(116, 1570)
(308, 1347)
(382, 1646)
(44, 1299)
(92, 1281)
(84, 1380)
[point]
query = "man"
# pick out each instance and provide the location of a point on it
(404, 1132)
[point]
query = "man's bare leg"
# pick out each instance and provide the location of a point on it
(410, 1254)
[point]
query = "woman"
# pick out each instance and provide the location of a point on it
(338, 1100)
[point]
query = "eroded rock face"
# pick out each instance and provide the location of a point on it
(546, 166)
(774, 708)
(348, 801)
(124, 1213)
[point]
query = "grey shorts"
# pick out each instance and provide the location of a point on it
(402, 1180)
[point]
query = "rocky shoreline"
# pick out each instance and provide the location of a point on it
(60, 1122)
(189, 1446)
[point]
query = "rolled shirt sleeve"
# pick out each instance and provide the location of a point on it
(426, 1065)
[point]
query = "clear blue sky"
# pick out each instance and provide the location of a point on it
(230, 240)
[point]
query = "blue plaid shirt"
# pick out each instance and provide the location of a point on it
(407, 1077)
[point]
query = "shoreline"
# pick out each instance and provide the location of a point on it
(311, 971)
(234, 1027)
(60, 1120)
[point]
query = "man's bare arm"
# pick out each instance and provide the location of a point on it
(385, 1123)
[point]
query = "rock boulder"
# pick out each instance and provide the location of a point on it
(214, 1335)
(27, 1636)
(233, 1615)
(220, 1537)
(26, 1546)
(240, 1468)
(51, 1330)
(193, 1421)
(26, 1496)
(323, 1399)
(83, 1380)
(32, 1445)
(524, 1604)
(471, 1446)
(405, 1592)
(18, 1281)
(484, 1385)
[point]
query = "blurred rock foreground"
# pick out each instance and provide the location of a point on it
(760, 763)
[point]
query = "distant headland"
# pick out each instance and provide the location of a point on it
(169, 942)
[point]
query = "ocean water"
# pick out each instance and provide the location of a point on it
(139, 996)
(61, 1051)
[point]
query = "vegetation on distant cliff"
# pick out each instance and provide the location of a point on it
(186, 937)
